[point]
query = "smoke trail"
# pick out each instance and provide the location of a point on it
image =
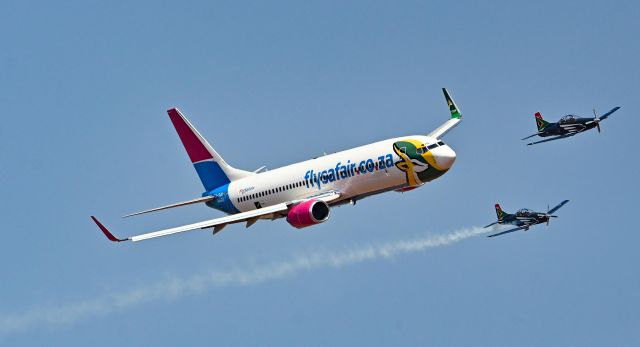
(175, 287)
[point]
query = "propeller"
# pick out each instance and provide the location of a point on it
(548, 219)
(549, 216)
(596, 119)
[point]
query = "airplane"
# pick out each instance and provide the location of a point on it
(523, 218)
(568, 126)
(304, 192)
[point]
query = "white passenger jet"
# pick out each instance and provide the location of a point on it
(304, 192)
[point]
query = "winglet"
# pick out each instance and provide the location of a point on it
(456, 117)
(455, 111)
(106, 231)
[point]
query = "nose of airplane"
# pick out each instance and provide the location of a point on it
(445, 156)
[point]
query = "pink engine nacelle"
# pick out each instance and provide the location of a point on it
(308, 213)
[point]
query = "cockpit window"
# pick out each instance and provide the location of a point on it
(432, 146)
(568, 119)
(440, 143)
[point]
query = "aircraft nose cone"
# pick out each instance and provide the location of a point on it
(445, 156)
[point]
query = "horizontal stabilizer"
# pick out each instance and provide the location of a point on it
(530, 136)
(488, 225)
(184, 203)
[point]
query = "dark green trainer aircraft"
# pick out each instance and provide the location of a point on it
(524, 218)
(568, 126)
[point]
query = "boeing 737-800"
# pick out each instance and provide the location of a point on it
(304, 192)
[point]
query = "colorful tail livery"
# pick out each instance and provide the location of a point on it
(500, 213)
(213, 171)
(540, 122)
(303, 193)
(524, 218)
(567, 126)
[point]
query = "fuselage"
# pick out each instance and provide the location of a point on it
(568, 124)
(525, 216)
(393, 164)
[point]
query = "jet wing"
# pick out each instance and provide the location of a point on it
(218, 222)
(557, 207)
(456, 117)
(250, 217)
(509, 231)
(551, 139)
(184, 203)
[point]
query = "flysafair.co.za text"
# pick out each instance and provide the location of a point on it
(349, 169)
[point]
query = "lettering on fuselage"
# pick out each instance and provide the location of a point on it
(343, 171)
(245, 190)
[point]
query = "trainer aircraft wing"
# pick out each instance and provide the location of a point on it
(551, 139)
(456, 117)
(509, 231)
(250, 217)
(557, 207)
(606, 115)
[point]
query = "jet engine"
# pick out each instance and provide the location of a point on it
(308, 213)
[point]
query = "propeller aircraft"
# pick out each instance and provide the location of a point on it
(523, 218)
(567, 126)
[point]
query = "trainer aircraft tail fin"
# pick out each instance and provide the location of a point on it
(540, 122)
(500, 213)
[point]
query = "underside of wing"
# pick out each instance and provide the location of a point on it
(508, 231)
(273, 212)
(217, 223)
(552, 139)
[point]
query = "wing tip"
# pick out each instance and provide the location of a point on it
(455, 111)
(106, 231)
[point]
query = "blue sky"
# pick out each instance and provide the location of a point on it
(84, 90)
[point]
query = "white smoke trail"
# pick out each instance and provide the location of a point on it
(175, 287)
